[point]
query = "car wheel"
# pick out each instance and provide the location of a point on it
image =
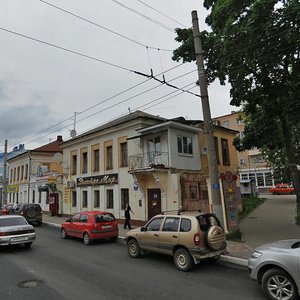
(63, 234)
(278, 285)
(27, 245)
(183, 260)
(133, 249)
(86, 239)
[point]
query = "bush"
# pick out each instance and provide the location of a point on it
(234, 235)
(248, 205)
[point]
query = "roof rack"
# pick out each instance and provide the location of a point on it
(179, 211)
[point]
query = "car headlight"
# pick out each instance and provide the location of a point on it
(256, 254)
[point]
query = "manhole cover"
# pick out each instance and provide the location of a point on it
(29, 283)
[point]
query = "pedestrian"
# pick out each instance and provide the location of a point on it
(127, 216)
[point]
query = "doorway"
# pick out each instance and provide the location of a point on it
(154, 202)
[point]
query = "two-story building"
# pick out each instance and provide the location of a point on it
(138, 158)
(35, 176)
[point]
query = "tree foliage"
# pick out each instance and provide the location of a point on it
(255, 46)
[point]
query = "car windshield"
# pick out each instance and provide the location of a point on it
(104, 218)
(12, 222)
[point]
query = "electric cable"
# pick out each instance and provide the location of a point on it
(102, 27)
(144, 16)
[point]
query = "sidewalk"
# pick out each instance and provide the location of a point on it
(237, 253)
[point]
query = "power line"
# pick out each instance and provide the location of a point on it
(99, 103)
(144, 16)
(66, 49)
(161, 13)
(102, 27)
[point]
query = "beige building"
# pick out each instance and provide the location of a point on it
(252, 164)
(35, 176)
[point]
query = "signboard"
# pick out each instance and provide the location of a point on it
(14, 188)
(230, 199)
(98, 180)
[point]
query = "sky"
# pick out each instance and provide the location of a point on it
(65, 58)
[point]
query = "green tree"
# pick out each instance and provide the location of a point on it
(255, 46)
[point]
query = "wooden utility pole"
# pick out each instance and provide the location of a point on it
(4, 179)
(208, 124)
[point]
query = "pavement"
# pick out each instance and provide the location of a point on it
(271, 221)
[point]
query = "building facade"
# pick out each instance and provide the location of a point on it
(252, 165)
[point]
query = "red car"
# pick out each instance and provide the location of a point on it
(282, 189)
(6, 209)
(91, 225)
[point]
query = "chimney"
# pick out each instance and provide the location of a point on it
(59, 138)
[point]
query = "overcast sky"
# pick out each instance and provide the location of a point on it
(42, 86)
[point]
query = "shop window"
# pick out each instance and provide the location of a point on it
(109, 199)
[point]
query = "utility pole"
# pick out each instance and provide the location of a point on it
(4, 179)
(208, 125)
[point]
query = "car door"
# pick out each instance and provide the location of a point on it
(82, 224)
(168, 236)
(71, 226)
(148, 237)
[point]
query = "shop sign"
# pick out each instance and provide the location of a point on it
(14, 188)
(98, 180)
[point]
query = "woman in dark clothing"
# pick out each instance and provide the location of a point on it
(127, 216)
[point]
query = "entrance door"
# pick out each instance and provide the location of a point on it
(154, 202)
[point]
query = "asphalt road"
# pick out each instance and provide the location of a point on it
(67, 269)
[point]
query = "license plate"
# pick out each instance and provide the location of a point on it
(106, 226)
(18, 239)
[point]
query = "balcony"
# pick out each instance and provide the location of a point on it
(149, 160)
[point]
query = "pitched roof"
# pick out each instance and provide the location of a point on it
(51, 147)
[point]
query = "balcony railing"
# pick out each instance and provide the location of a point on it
(149, 160)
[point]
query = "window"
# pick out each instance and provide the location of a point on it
(83, 218)
(84, 199)
(96, 160)
(109, 158)
(40, 197)
(33, 196)
(226, 123)
(18, 173)
(74, 199)
(239, 121)
(217, 149)
(243, 161)
(124, 198)
(154, 225)
(97, 199)
(225, 152)
(84, 163)
(22, 172)
(244, 176)
(171, 224)
(124, 154)
(241, 134)
(26, 171)
(109, 199)
(74, 164)
(193, 191)
(185, 225)
(184, 145)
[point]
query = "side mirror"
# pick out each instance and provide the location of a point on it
(143, 229)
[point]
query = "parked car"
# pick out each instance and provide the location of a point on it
(187, 236)
(32, 212)
(16, 230)
(6, 209)
(275, 267)
(90, 226)
(282, 189)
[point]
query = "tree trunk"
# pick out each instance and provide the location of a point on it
(288, 139)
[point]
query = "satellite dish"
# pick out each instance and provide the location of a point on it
(73, 133)
(58, 157)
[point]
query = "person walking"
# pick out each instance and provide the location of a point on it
(127, 216)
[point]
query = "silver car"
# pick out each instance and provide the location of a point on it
(16, 230)
(276, 267)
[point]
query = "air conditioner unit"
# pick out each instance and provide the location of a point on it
(71, 184)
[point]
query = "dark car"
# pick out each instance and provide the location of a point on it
(6, 209)
(32, 212)
(16, 230)
(91, 225)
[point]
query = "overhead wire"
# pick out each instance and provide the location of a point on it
(161, 13)
(145, 16)
(102, 27)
